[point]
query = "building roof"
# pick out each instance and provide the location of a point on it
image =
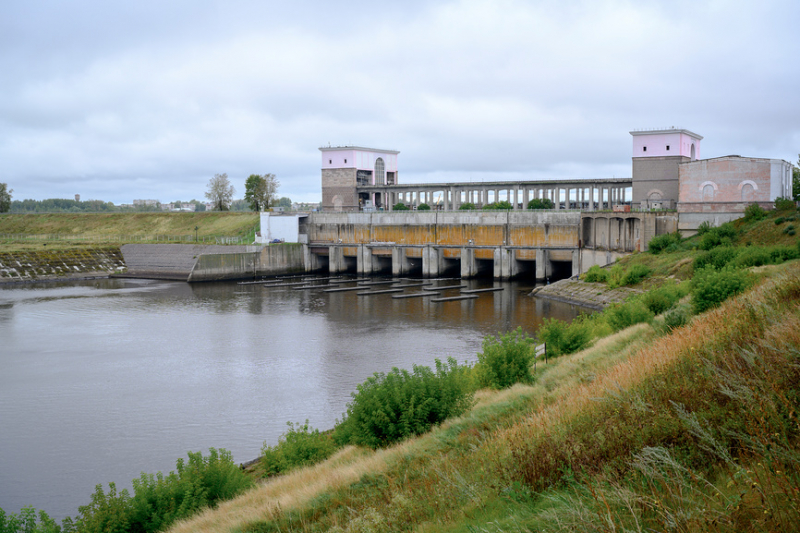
(362, 148)
(666, 130)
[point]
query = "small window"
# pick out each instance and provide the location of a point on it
(644, 148)
(345, 161)
(667, 148)
(330, 161)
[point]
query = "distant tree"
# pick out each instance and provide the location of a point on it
(5, 198)
(503, 205)
(177, 204)
(469, 206)
(260, 191)
(423, 207)
(400, 206)
(240, 205)
(220, 192)
(285, 202)
(198, 205)
(541, 203)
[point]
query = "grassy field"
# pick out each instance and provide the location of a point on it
(646, 430)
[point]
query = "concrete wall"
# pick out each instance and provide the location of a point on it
(734, 180)
(274, 226)
(268, 261)
(339, 189)
(656, 179)
(492, 228)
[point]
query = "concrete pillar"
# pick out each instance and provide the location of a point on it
(431, 262)
(576, 262)
(336, 262)
(364, 260)
(505, 263)
(543, 267)
(400, 265)
(468, 267)
(311, 260)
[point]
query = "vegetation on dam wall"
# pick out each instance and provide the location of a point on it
(52, 263)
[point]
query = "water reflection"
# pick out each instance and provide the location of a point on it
(104, 379)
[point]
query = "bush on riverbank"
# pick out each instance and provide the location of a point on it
(301, 445)
(505, 360)
(390, 407)
(160, 500)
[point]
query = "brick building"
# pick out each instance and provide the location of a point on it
(346, 167)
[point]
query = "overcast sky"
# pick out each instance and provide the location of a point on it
(149, 99)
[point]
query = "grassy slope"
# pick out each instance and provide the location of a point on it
(559, 455)
(209, 223)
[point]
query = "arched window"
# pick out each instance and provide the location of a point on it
(693, 155)
(380, 175)
(748, 193)
(708, 193)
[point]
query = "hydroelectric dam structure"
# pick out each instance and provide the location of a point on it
(500, 244)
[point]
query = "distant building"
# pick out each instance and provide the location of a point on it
(144, 203)
(656, 155)
(77, 197)
(346, 167)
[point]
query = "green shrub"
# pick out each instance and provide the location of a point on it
(423, 207)
(400, 206)
(615, 276)
(663, 298)
(468, 206)
(505, 360)
(595, 274)
(754, 212)
(711, 287)
(301, 445)
(784, 204)
(789, 230)
(389, 407)
(503, 205)
(561, 338)
(622, 315)
(677, 317)
(661, 243)
(26, 522)
(723, 235)
(635, 274)
(160, 500)
(703, 228)
(716, 257)
(779, 221)
(541, 203)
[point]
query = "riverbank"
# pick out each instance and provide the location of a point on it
(74, 263)
(595, 296)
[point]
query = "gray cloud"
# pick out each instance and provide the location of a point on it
(150, 100)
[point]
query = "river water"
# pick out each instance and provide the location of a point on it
(102, 380)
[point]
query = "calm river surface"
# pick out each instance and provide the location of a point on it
(102, 380)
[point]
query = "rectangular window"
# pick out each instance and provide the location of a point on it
(330, 161)
(644, 148)
(345, 161)
(667, 148)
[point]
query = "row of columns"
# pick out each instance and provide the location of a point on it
(505, 262)
(589, 196)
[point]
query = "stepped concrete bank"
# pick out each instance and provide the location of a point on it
(210, 263)
(60, 265)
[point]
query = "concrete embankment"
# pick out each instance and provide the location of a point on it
(44, 265)
(593, 295)
(210, 262)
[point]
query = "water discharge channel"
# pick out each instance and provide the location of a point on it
(102, 380)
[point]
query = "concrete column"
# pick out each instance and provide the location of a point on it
(336, 262)
(431, 262)
(311, 261)
(543, 267)
(505, 264)
(576, 262)
(557, 198)
(468, 267)
(400, 266)
(364, 260)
